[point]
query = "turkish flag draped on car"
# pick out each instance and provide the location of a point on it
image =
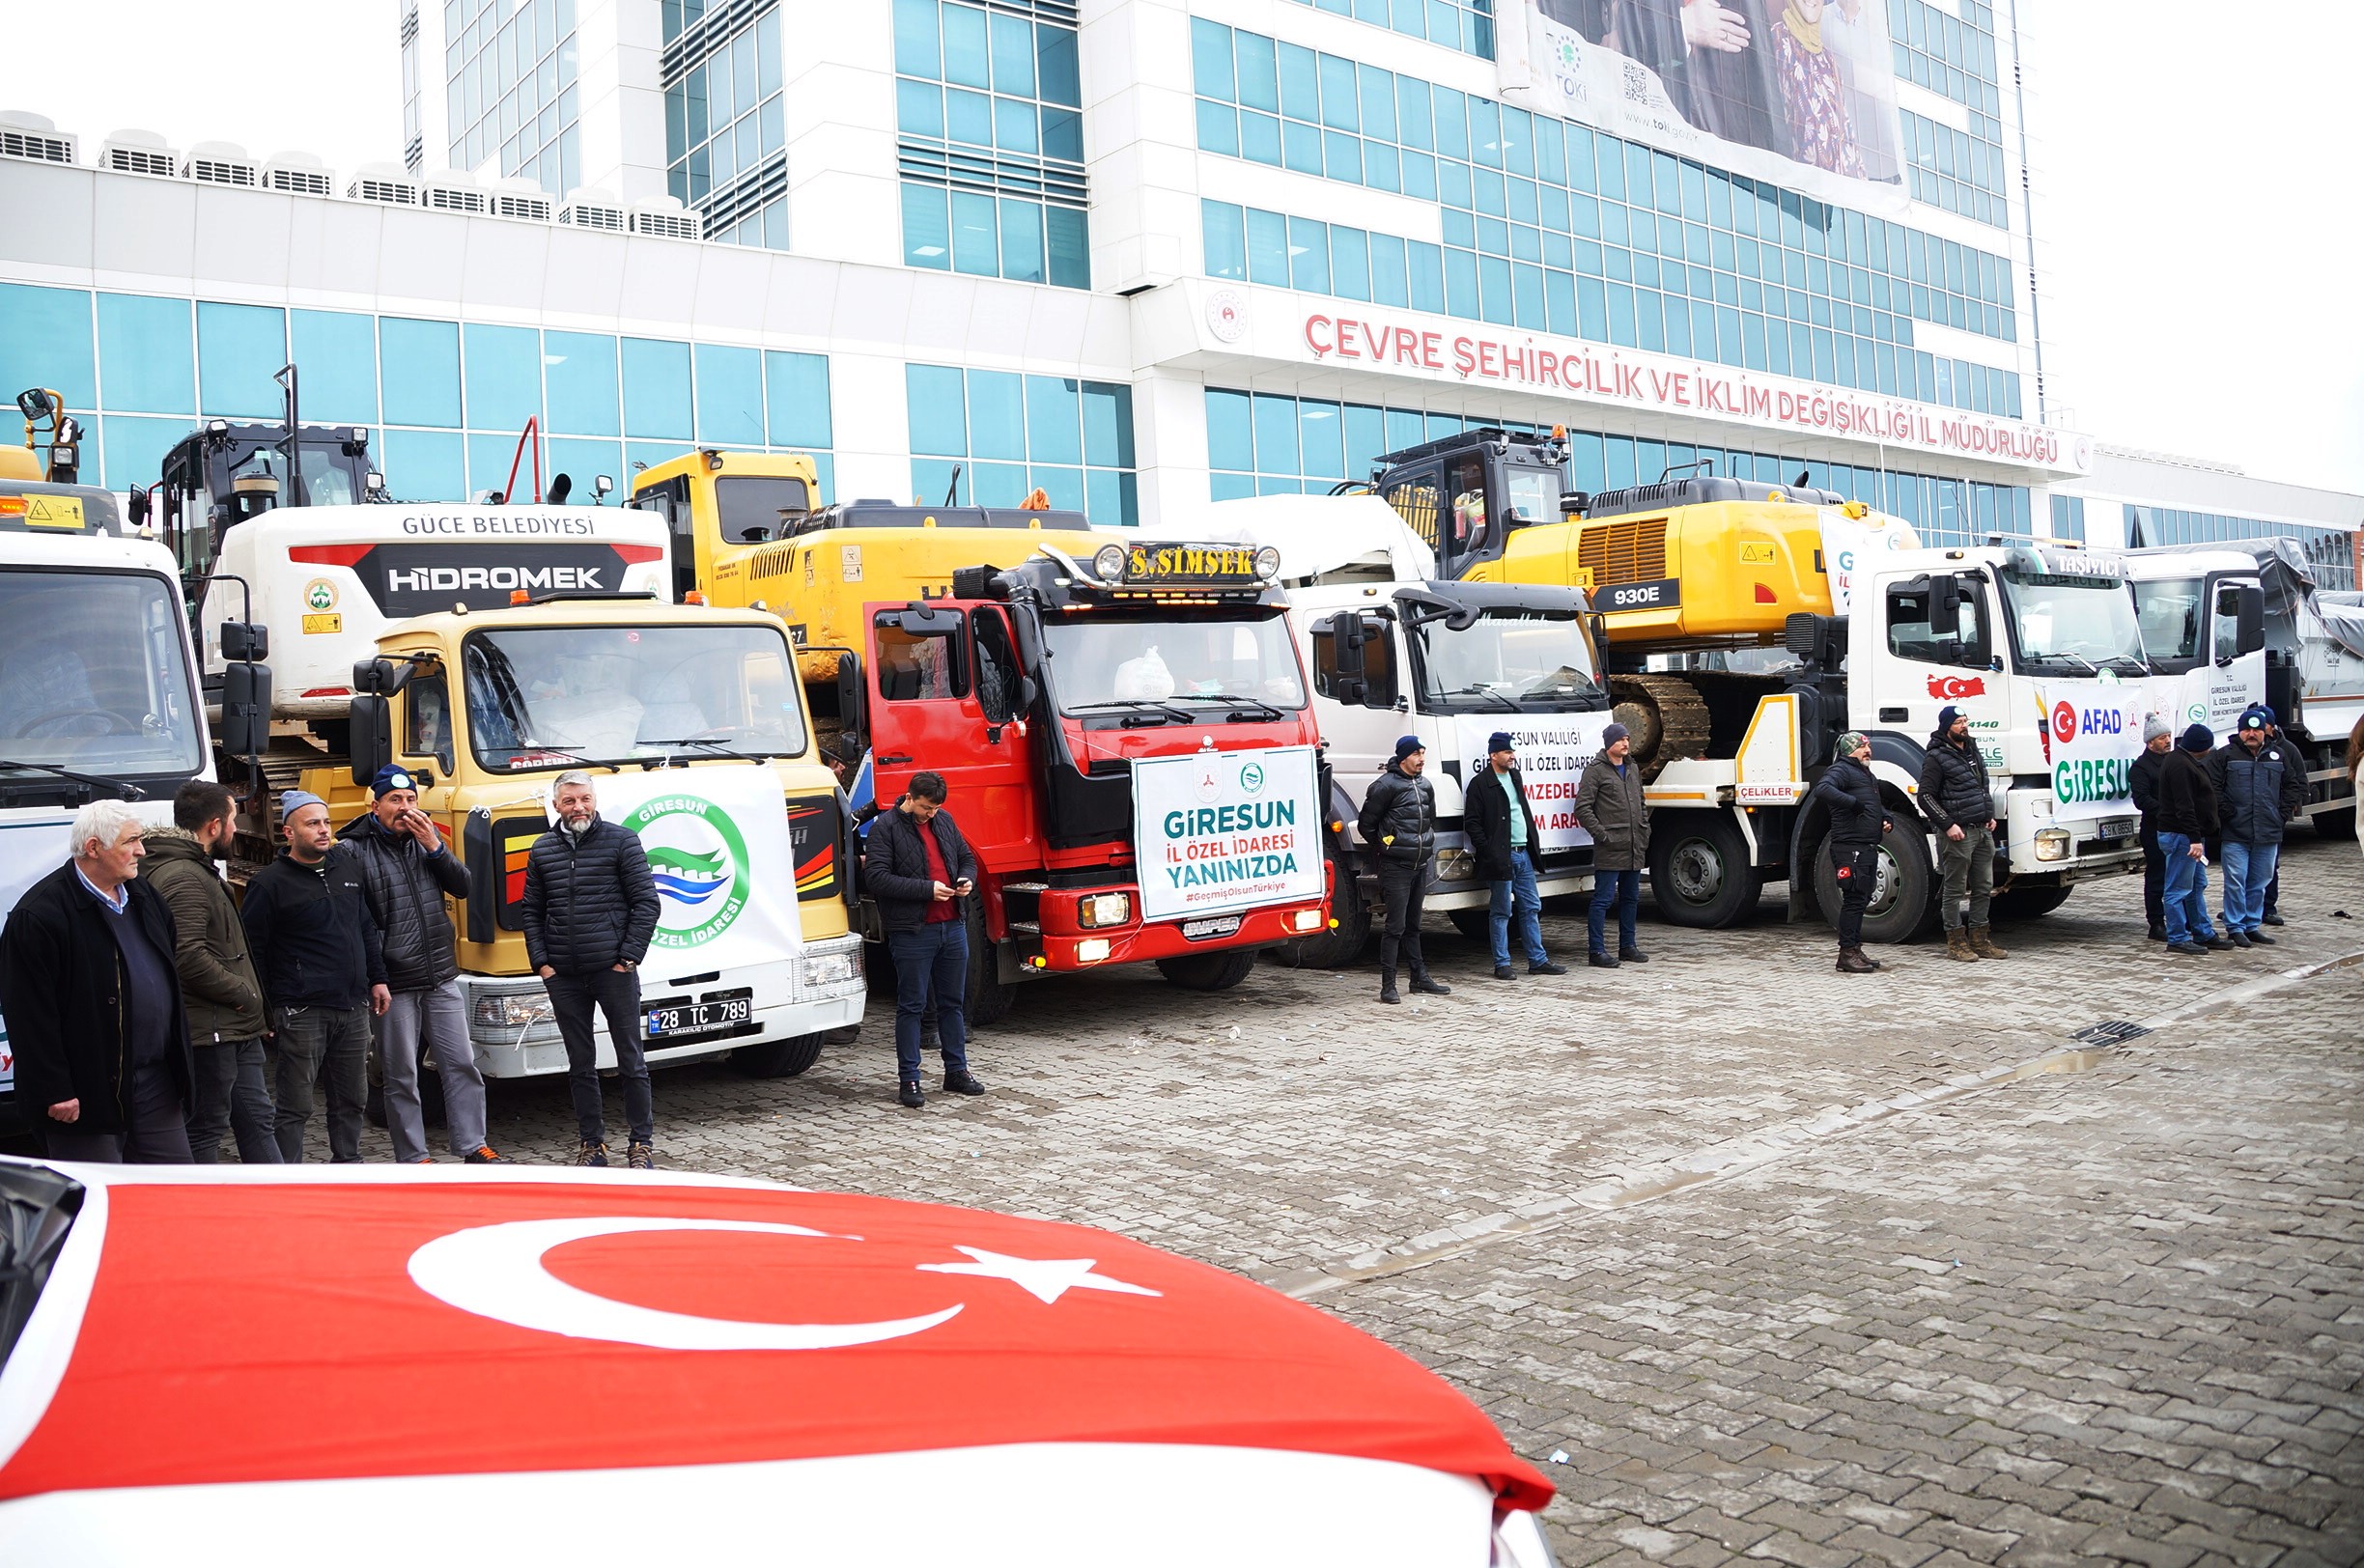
(294, 1330)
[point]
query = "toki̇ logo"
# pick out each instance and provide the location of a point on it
(1957, 686)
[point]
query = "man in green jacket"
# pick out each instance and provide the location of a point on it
(218, 990)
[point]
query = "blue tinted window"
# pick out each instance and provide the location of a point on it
(1211, 72)
(657, 402)
(336, 354)
(419, 367)
(45, 341)
(1349, 262)
(927, 233)
(1022, 240)
(730, 400)
(580, 368)
(919, 109)
(239, 350)
(1322, 440)
(1300, 83)
(1067, 237)
(1308, 256)
(1275, 434)
(1231, 432)
(1258, 77)
(996, 415)
(143, 359)
(1386, 266)
(1013, 55)
(427, 465)
(938, 410)
(1054, 64)
(1268, 249)
(1225, 240)
(797, 397)
(966, 57)
(123, 451)
(1108, 424)
(504, 378)
(498, 462)
(1053, 428)
(976, 247)
(583, 462)
(915, 36)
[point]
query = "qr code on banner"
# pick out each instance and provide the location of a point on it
(1637, 83)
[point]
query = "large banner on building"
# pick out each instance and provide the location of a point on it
(1225, 830)
(1801, 92)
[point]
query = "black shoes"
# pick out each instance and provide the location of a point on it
(484, 1154)
(1502, 971)
(592, 1154)
(1430, 988)
(2261, 938)
(1601, 961)
(1547, 967)
(639, 1156)
(2189, 949)
(962, 1082)
(1387, 988)
(2273, 919)
(2158, 932)
(2217, 944)
(1632, 955)
(2241, 939)
(910, 1096)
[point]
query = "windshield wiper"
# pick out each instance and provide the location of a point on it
(717, 747)
(1166, 710)
(1257, 707)
(121, 789)
(2079, 658)
(2139, 668)
(1477, 690)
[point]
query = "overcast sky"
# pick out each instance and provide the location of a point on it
(2196, 191)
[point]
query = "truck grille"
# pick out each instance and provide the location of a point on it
(1624, 551)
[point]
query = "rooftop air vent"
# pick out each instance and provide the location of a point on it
(221, 163)
(448, 190)
(138, 151)
(666, 219)
(588, 207)
(387, 182)
(299, 174)
(518, 199)
(24, 134)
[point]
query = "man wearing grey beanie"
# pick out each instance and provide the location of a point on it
(2159, 739)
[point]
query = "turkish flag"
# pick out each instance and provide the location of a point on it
(281, 1331)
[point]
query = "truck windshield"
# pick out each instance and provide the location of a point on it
(94, 674)
(1106, 662)
(2073, 623)
(749, 508)
(2170, 615)
(1506, 658)
(561, 696)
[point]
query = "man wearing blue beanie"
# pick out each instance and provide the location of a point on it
(1399, 826)
(2185, 816)
(1503, 840)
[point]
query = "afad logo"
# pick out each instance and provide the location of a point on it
(700, 863)
(1957, 686)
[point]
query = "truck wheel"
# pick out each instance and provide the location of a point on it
(1699, 872)
(776, 1058)
(989, 998)
(1338, 948)
(2027, 903)
(1904, 904)
(1478, 925)
(1209, 971)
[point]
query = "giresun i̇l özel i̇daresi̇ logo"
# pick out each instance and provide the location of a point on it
(699, 863)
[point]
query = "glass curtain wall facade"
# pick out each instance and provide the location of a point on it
(1549, 226)
(990, 144)
(725, 127)
(444, 401)
(1262, 444)
(509, 70)
(2330, 551)
(982, 437)
(1954, 56)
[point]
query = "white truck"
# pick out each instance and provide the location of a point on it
(1393, 650)
(2229, 626)
(489, 648)
(99, 694)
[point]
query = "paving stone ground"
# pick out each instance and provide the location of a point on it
(2104, 1315)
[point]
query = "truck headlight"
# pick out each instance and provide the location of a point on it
(2052, 844)
(1268, 562)
(1110, 563)
(825, 970)
(512, 1009)
(1455, 865)
(1305, 920)
(1104, 909)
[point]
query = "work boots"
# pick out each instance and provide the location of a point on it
(1428, 987)
(1958, 948)
(1851, 960)
(1982, 943)
(1386, 988)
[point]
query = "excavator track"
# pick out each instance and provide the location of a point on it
(1665, 717)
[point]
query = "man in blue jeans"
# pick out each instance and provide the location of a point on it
(1503, 840)
(919, 868)
(2183, 815)
(2261, 786)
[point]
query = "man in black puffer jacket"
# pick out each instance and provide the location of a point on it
(919, 869)
(1399, 826)
(1961, 805)
(1858, 817)
(2260, 785)
(406, 871)
(589, 911)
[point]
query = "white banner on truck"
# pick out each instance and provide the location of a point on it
(2092, 734)
(1553, 749)
(1225, 830)
(717, 839)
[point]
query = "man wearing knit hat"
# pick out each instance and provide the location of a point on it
(2259, 786)
(2158, 740)
(1609, 806)
(1959, 802)
(1399, 826)
(2187, 814)
(1503, 841)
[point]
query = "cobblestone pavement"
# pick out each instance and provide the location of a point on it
(2149, 1347)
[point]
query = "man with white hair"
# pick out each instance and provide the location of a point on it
(93, 999)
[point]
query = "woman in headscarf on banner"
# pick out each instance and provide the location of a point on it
(1814, 95)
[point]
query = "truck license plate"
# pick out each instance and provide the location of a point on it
(688, 1021)
(1214, 925)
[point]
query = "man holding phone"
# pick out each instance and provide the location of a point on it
(920, 871)
(406, 870)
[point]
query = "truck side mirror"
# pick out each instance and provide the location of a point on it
(2251, 635)
(244, 641)
(1945, 602)
(136, 508)
(246, 709)
(1346, 636)
(924, 621)
(371, 744)
(602, 488)
(852, 698)
(1977, 648)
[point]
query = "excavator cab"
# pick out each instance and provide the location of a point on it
(1465, 494)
